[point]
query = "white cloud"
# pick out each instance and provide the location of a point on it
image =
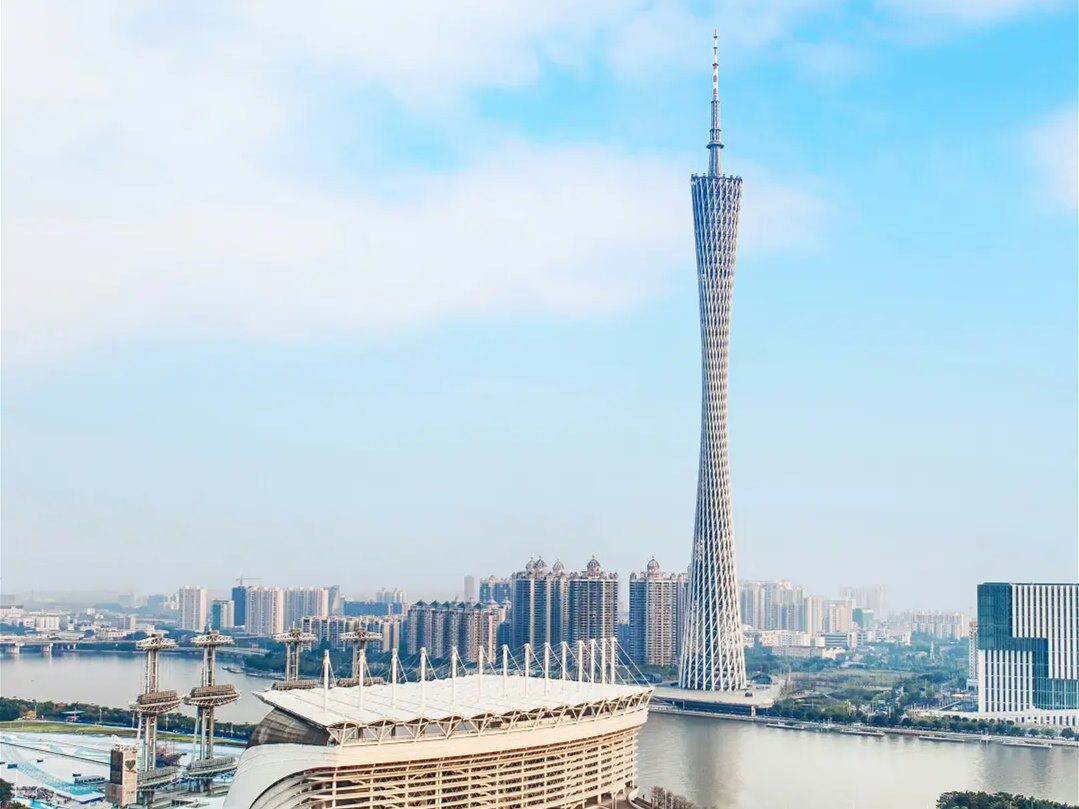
(1053, 148)
(569, 231)
(143, 193)
(829, 59)
(969, 11)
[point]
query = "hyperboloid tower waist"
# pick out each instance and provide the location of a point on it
(712, 654)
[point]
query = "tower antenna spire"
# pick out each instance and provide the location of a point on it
(715, 141)
(715, 65)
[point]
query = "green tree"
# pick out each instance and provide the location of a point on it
(1000, 800)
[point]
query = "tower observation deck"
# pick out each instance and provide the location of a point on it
(712, 655)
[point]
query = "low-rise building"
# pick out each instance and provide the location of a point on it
(840, 640)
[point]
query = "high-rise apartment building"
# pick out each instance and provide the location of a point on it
(239, 605)
(355, 608)
(751, 603)
(656, 607)
(265, 610)
(337, 602)
(439, 627)
(329, 629)
(301, 602)
(471, 595)
(389, 628)
(592, 611)
(1028, 652)
(550, 605)
(784, 606)
(813, 616)
(713, 657)
(222, 614)
(866, 598)
(950, 626)
(391, 595)
(771, 605)
(192, 606)
(495, 590)
(540, 604)
(838, 615)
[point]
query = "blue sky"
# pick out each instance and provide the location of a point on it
(387, 296)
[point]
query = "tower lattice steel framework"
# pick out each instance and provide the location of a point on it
(712, 655)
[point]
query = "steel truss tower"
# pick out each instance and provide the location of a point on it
(712, 655)
(359, 640)
(207, 698)
(295, 640)
(150, 705)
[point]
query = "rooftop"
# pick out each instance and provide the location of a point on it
(465, 697)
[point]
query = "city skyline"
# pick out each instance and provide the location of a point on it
(265, 358)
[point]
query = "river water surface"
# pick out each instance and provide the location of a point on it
(725, 764)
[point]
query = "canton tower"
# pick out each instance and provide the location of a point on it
(712, 654)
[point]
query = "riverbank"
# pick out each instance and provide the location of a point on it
(93, 729)
(723, 764)
(855, 729)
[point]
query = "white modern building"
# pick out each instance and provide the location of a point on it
(192, 604)
(486, 739)
(304, 602)
(265, 610)
(1028, 652)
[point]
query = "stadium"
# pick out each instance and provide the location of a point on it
(505, 740)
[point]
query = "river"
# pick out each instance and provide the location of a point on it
(725, 764)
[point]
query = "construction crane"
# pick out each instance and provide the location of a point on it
(240, 581)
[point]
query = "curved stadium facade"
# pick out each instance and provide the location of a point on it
(470, 741)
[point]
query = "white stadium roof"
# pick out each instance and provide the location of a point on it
(467, 697)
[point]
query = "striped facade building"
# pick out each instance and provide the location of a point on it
(439, 627)
(540, 604)
(656, 608)
(264, 610)
(1028, 652)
